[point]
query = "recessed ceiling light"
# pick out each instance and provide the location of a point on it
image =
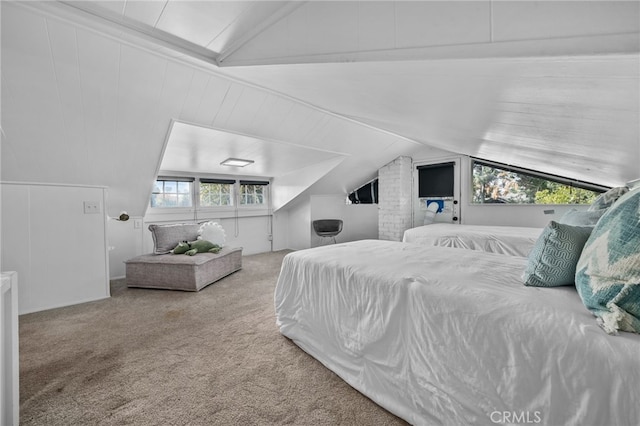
(236, 162)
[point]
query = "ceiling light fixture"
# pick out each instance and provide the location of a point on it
(236, 162)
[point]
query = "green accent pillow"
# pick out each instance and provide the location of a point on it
(608, 272)
(553, 258)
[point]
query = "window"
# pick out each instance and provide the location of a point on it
(171, 192)
(216, 192)
(253, 192)
(366, 194)
(502, 184)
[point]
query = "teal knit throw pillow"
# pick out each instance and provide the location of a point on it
(553, 258)
(608, 272)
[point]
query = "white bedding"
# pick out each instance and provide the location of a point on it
(447, 336)
(511, 240)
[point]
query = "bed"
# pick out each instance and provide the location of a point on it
(510, 240)
(428, 334)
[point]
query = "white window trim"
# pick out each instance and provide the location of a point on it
(197, 210)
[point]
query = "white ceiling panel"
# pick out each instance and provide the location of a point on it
(64, 53)
(99, 70)
(341, 17)
(199, 149)
(521, 20)
(255, 17)
(35, 95)
(376, 25)
(453, 104)
(246, 109)
(229, 104)
(270, 117)
(442, 23)
(197, 87)
(199, 22)
(212, 99)
(144, 12)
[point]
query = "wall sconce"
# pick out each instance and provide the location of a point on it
(123, 217)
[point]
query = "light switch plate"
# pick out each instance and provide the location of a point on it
(91, 207)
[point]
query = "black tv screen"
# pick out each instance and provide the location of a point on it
(435, 180)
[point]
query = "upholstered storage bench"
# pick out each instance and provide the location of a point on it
(182, 272)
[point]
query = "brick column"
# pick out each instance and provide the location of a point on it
(394, 199)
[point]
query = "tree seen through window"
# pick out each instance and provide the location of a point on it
(504, 186)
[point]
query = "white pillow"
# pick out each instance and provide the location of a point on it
(212, 232)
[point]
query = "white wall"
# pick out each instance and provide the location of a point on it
(9, 357)
(395, 188)
(250, 233)
(299, 224)
(126, 240)
(58, 250)
(281, 230)
(133, 238)
(360, 221)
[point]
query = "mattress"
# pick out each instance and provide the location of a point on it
(446, 336)
(510, 240)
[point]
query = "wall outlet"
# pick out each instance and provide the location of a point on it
(91, 207)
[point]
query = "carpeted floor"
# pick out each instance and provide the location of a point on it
(159, 357)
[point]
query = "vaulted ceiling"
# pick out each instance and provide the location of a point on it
(320, 94)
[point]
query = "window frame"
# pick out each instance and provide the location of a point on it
(196, 204)
(232, 193)
(177, 180)
(573, 183)
(254, 183)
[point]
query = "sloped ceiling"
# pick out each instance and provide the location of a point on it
(90, 89)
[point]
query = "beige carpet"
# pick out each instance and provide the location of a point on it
(159, 357)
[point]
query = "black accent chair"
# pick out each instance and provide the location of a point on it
(327, 228)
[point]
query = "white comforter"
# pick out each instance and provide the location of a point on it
(448, 336)
(511, 240)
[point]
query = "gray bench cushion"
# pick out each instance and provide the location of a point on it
(181, 272)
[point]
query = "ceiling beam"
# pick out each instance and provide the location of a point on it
(281, 13)
(622, 43)
(118, 26)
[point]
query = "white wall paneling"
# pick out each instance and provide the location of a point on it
(126, 240)
(9, 357)
(249, 232)
(58, 250)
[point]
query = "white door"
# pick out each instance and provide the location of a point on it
(436, 192)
